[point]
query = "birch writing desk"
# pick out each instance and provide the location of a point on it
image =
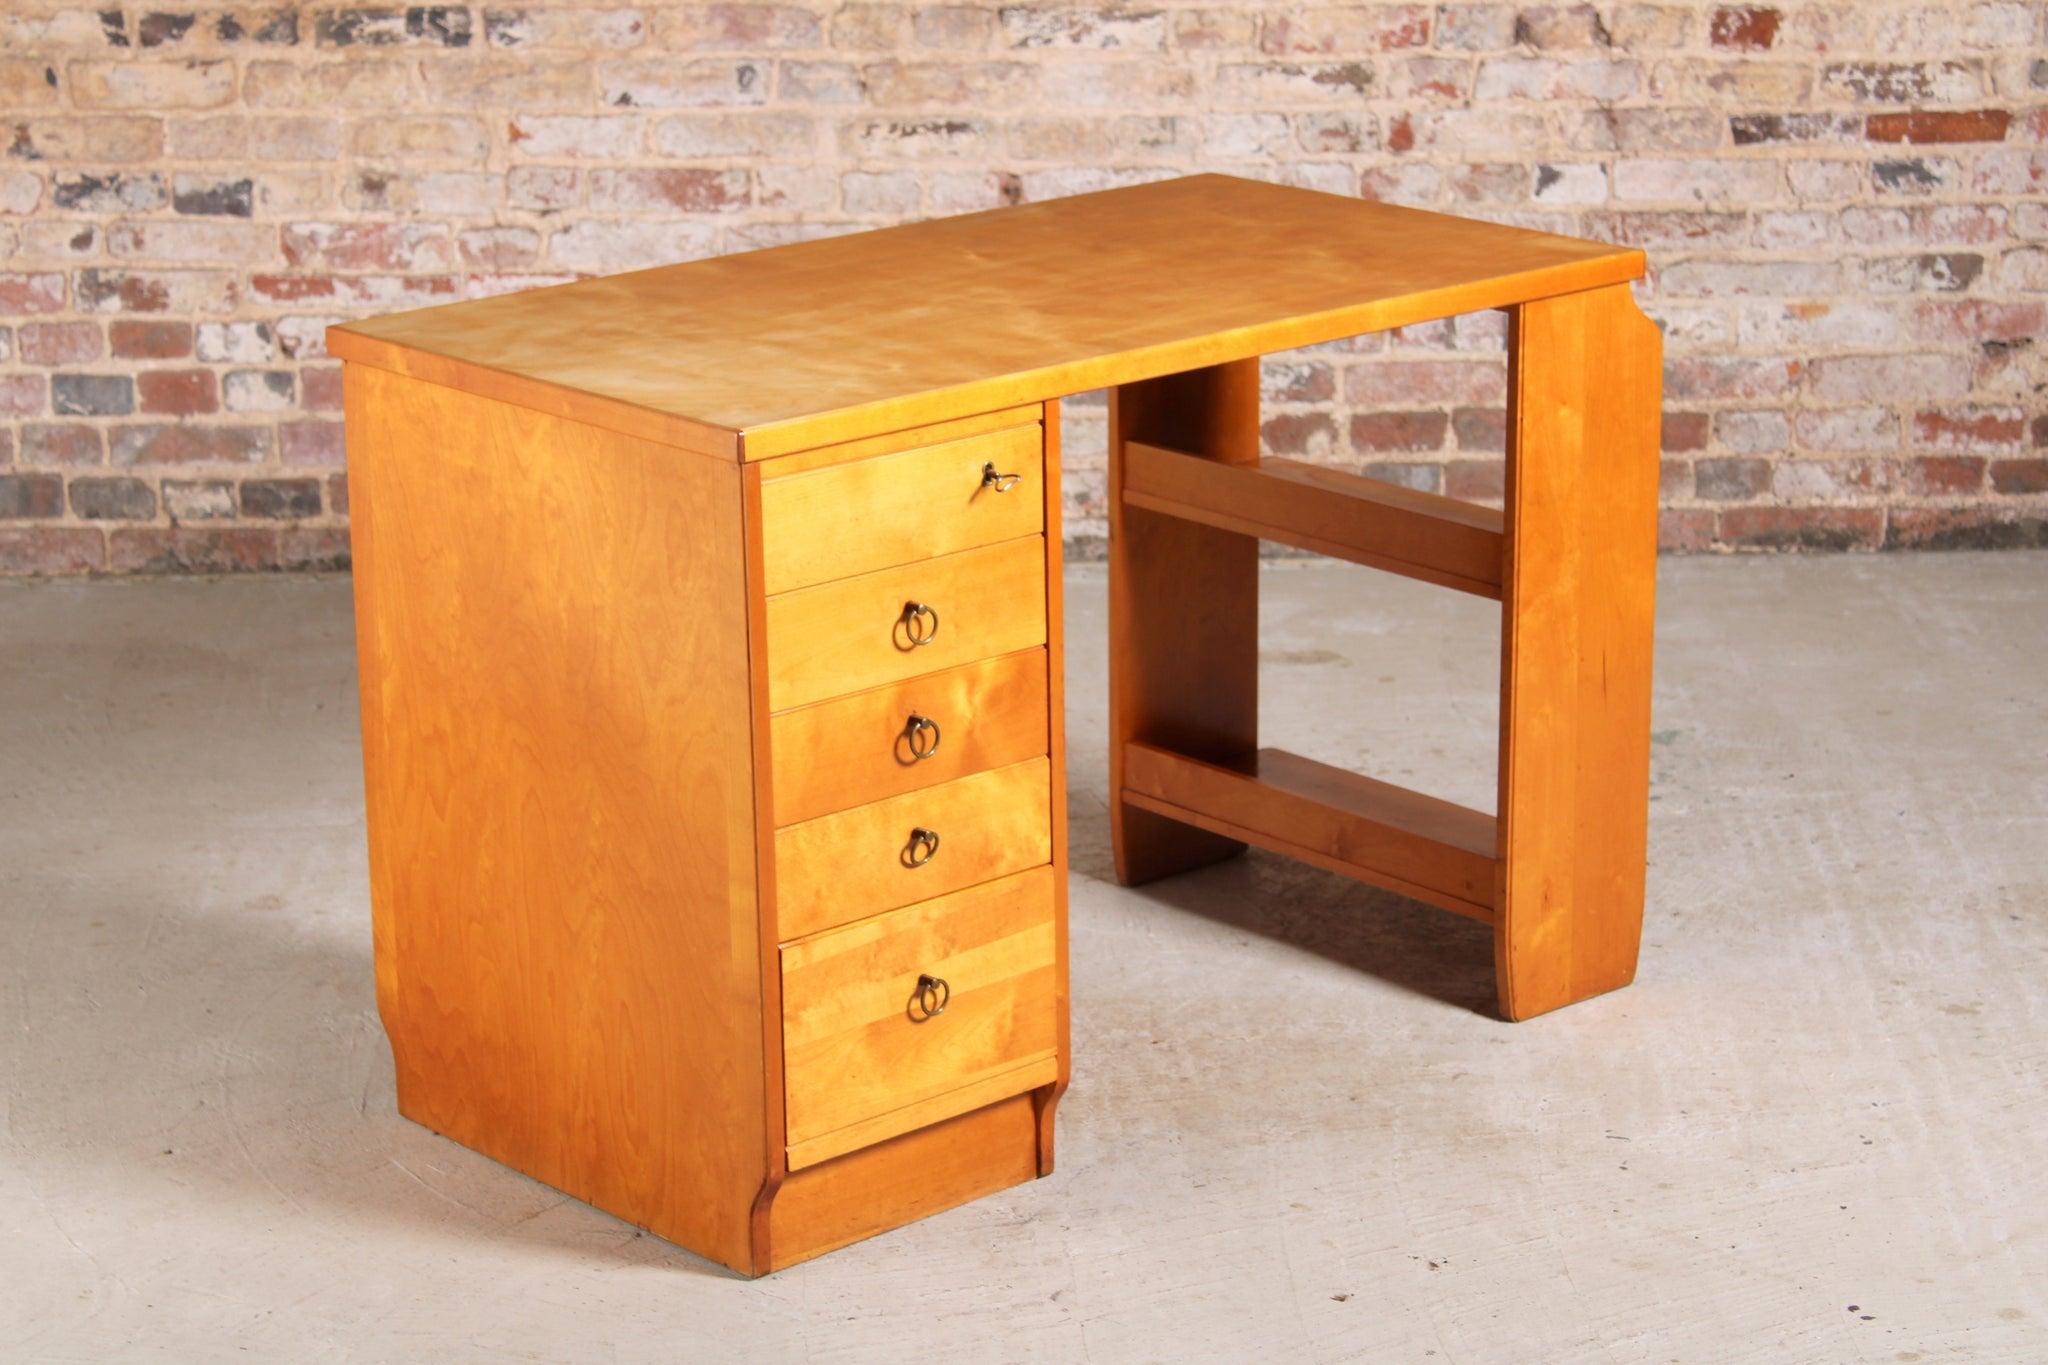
(709, 630)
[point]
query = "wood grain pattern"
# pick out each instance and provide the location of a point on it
(853, 1050)
(760, 354)
(558, 773)
(1183, 611)
(1367, 521)
(854, 518)
(926, 1171)
(1046, 1098)
(889, 442)
(850, 864)
(1585, 373)
(1037, 1073)
(1390, 836)
(847, 636)
(850, 751)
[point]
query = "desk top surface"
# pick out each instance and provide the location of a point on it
(766, 352)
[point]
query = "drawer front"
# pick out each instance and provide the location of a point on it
(871, 514)
(855, 863)
(834, 755)
(857, 633)
(861, 1059)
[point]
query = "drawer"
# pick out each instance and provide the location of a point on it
(836, 754)
(896, 509)
(863, 1062)
(860, 862)
(857, 633)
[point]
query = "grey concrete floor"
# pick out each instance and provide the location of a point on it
(1813, 1130)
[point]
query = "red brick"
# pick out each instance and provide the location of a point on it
(1970, 429)
(1402, 431)
(23, 395)
(62, 443)
(178, 393)
(1965, 528)
(2019, 476)
(1749, 28)
(1942, 475)
(1803, 528)
(337, 494)
(1481, 429)
(50, 550)
(1939, 125)
(60, 343)
(1731, 480)
(26, 497)
(313, 548)
(188, 443)
(1476, 480)
(1685, 529)
(1299, 433)
(320, 388)
(150, 340)
(184, 549)
(310, 443)
(24, 294)
(1685, 431)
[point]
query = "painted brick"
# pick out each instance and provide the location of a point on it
(60, 343)
(51, 550)
(151, 85)
(1731, 480)
(199, 499)
(1747, 28)
(23, 395)
(1993, 429)
(1842, 205)
(51, 444)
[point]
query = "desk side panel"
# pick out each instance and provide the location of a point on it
(552, 638)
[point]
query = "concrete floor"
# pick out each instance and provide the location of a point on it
(1813, 1130)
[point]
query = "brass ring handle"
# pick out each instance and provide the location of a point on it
(922, 848)
(920, 623)
(1002, 483)
(931, 998)
(923, 735)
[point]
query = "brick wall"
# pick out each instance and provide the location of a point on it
(1846, 205)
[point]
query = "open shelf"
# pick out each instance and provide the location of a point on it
(1431, 850)
(1367, 521)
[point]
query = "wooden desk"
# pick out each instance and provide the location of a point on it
(709, 627)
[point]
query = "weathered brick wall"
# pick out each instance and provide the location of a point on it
(1844, 203)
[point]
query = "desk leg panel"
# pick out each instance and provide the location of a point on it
(1577, 604)
(1183, 611)
(553, 654)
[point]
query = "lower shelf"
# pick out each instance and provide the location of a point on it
(1434, 851)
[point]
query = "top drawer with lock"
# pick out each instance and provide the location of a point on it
(846, 519)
